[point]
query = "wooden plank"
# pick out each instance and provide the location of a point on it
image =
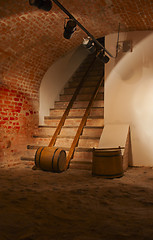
(83, 122)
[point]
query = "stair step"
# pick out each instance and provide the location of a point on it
(85, 84)
(74, 164)
(71, 117)
(83, 90)
(41, 140)
(91, 77)
(46, 130)
(88, 59)
(88, 143)
(83, 142)
(77, 149)
(83, 155)
(76, 121)
(88, 127)
(95, 70)
(80, 153)
(42, 136)
(95, 67)
(66, 141)
(90, 132)
(29, 154)
(78, 104)
(58, 112)
(68, 131)
(52, 122)
(72, 137)
(94, 132)
(67, 97)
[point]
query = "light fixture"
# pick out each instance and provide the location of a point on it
(45, 5)
(104, 58)
(89, 45)
(69, 28)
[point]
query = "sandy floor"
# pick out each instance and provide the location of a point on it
(37, 205)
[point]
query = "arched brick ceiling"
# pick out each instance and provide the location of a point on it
(31, 39)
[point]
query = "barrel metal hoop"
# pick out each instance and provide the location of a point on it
(40, 155)
(53, 158)
(36, 155)
(110, 175)
(58, 159)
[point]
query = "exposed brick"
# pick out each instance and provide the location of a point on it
(4, 113)
(12, 118)
(16, 99)
(5, 118)
(7, 102)
(13, 124)
(2, 122)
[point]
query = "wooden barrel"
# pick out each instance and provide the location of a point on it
(107, 163)
(50, 159)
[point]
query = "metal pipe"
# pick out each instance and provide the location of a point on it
(80, 25)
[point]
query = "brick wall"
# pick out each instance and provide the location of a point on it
(18, 121)
(31, 40)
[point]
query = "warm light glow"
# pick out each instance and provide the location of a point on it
(129, 95)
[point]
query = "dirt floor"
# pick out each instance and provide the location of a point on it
(38, 205)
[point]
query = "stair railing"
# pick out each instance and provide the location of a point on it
(66, 112)
(83, 122)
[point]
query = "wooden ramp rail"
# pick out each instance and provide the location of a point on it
(82, 124)
(62, 121)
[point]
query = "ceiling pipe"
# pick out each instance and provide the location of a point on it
(83, 28)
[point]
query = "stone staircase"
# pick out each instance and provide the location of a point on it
(82, 158)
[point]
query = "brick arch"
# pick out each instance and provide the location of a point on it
(39, 35)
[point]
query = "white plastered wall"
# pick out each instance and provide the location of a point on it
(56, 77)
(129, 92)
